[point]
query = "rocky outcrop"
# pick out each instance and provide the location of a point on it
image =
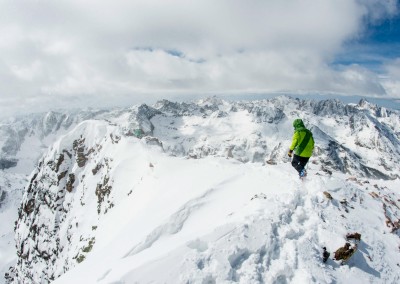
(45, 229)
(79, 148)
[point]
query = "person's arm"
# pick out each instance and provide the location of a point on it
(295, 140)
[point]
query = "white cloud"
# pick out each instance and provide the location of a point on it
(377, 9)
(391, 81)
(119, 49)
(27, 72)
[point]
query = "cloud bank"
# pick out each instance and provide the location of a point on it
(97, 53)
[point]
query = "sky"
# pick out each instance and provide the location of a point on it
(74, 54)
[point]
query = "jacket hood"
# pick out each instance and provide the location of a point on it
(298, 123)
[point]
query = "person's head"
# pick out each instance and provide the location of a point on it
(298, 123)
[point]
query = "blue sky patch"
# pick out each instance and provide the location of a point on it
(379, 44)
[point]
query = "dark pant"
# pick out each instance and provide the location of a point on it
(299, 162)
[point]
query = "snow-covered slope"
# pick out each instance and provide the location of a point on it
(11, 190)
(241, 223)
(204, 193)
(23, 141)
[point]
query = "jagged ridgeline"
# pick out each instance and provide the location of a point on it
(77, 171)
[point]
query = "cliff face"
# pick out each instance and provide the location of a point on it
(45, 231)
(77, 182)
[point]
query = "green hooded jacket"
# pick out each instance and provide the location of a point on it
(302, 141)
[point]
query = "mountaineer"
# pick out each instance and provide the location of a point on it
(302, 145)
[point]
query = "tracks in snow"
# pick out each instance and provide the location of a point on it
(268, 247)
(265, 249)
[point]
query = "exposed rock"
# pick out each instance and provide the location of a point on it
(103, 190)
(268, 114)
(229, 151)
(79, 147)
(325, 255)
(271, 162)
(353, 236)
(89, 247)
(61, 176)
(29, 206)
(344, 253)
(153, 141)
(143, 116)
(115, 138)
(391, 223)
(59, 162)
(97, 168)
(70, 183)
(328, 195)
(259, 196)
(374, 194)
(175, 108)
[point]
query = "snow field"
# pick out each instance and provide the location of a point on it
(215, 220)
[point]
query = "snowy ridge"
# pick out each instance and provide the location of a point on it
(23, 141)
(251, 239)
(207, 186)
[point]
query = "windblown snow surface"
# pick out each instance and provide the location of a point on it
(122, 209)
(216, 220)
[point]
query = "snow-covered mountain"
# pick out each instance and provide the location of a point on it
(23, 141)
(203, 192)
